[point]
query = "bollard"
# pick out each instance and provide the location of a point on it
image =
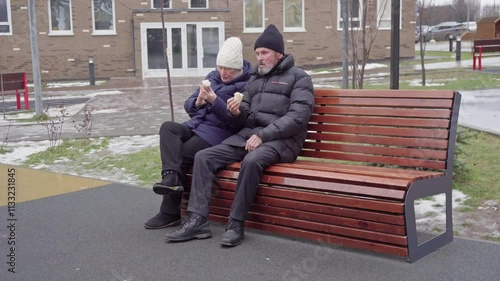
(451, 43)
(91, 71)
(459, 49)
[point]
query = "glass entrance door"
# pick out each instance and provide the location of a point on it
(191, 48)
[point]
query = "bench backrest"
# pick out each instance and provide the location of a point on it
(404, 128)
(13, 81)
(487, 45)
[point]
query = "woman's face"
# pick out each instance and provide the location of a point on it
(227, 74)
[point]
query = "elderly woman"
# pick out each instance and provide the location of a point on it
(207, 127)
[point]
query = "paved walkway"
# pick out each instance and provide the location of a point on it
(97, 234)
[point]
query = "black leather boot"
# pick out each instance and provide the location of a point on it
(234, 234)
(162, 220)
(195, 226)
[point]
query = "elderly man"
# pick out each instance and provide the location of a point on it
(277, 104)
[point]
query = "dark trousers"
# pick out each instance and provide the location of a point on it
(178, 145)
(206, 164)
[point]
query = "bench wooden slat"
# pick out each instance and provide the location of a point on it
(324, 186)
(398, 161)
(378, 150)
(381, 131)
(329, 176)
(322, 237)
(353, 207)
(384, 111)
(13, 85)
(19, 76)
(435, 94)
(386, 102)
(396, 122)
(398, 173)
(381, 140)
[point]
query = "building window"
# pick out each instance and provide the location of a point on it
(5, 24)
(198, 4)
(384, 8)
(104, 17)
(166, 4)
(253, 15)
(60, 17)
(355, 14)
(293, 15)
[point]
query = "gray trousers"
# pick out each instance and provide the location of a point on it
(178, 145)
(208, 161)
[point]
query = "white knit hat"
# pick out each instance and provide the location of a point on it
(230, 55)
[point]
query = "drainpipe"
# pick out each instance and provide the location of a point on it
(133, 45)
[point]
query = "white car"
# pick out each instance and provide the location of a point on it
(471, 25)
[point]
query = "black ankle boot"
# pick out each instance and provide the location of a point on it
(234, 234)
(162, 220)
(195, 226)
(171, 183)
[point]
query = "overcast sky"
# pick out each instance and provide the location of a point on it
(443, 2)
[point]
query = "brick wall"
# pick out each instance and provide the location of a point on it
(66, 57)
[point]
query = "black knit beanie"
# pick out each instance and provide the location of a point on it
(272, 39)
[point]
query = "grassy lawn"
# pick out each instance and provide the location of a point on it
(483, 180)
(442, 80)
(145, 164)
(72, 150)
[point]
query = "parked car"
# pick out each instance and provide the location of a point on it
(445, 31)
(471, 25)
(425, 29)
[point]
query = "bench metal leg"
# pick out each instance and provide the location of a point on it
(18, 99)
(419, 190)
(26, 99)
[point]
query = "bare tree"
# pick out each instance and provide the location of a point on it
(165, 54)
(421, 18)
(365, 21)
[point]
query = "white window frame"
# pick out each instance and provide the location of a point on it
(61, 32)
(302, 28)
(104, 32)
(198, 8)
(380, 15)
(254, 29)
(153, 4)
(9, 19)
(359, 19)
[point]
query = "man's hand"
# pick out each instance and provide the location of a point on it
(253, 142)
(233, 106)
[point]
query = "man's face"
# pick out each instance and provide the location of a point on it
(267, 59)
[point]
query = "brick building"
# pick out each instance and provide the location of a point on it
(123, 37)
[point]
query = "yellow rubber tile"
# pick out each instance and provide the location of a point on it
(20, 184)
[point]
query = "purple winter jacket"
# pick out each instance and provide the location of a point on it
(209, 121)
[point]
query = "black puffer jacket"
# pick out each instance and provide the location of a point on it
(277, 107)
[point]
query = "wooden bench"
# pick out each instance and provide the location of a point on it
(15, 83)
(484, 46)
(368, 156)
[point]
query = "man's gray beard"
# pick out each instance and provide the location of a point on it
(264, 71)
